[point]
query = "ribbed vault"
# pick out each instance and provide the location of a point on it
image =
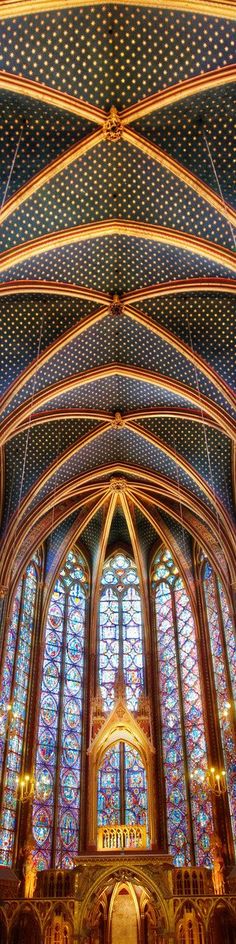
(117, 280)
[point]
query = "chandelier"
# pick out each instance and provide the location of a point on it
(213, 780)
(25, 784)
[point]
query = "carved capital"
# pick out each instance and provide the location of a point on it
(3, 590)
(113, 127)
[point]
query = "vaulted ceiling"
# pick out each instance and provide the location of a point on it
(117, 276)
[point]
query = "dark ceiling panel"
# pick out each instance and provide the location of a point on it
(204, 321)
(115, 264)
(121, 446)
(114, 181)
(119, 341)
(114, 55)
(207, 450)
(38, 132)
(28, 454)
(29, 319)
(200, 133)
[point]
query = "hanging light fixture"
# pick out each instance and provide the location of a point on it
(25, 784)
(213, 780)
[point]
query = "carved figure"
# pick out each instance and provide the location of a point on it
(29, 871)
(217, 855)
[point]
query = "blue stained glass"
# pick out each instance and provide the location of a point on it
(179, 679)
(120, 630)
(217, 614)
(60, 720)
(14, 691)
(109, 789)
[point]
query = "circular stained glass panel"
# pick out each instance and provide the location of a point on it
(55, 615)
(72, 713)
(69, 787)
(47, 747)
(41, 826)
(68, 828)
(71, 748)
(44, 784)
(48, 710)
(51, 677)
(73, 680)
(53, 645)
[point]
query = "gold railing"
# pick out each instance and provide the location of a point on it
(115, 837)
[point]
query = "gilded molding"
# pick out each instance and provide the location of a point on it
(219, 8)
(176, 93)
(21, 413)
(44, 93)
(179, 287)
(142, 319)
(64, 160)
(117, 227)
(181, 172)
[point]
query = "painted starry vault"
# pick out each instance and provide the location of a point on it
(117, 275)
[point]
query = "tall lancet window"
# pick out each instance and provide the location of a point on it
(14, 700)
(223, 651)
(56, 810)
(120, 630)
(189, 817)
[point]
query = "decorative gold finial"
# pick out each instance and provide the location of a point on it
(113, 126)
(118, 421)
(116, 306)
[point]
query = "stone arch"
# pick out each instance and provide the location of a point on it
(58, 927)
(120, 725)
(3, 928)
(124, 894)
(190, 925)
(221, 924)
(108, 880)
(25, 927)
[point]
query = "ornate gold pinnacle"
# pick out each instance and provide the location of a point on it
(113, 126)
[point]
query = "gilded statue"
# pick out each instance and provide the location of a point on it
(217, 854)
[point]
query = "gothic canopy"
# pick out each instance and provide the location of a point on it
(117, 272)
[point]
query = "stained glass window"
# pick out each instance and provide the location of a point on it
(122, 788)
(14, 700)
(223, 650)
(183, 735)
(120, 630)
(58, 760)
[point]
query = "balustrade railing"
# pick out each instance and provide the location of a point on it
(128, 837)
